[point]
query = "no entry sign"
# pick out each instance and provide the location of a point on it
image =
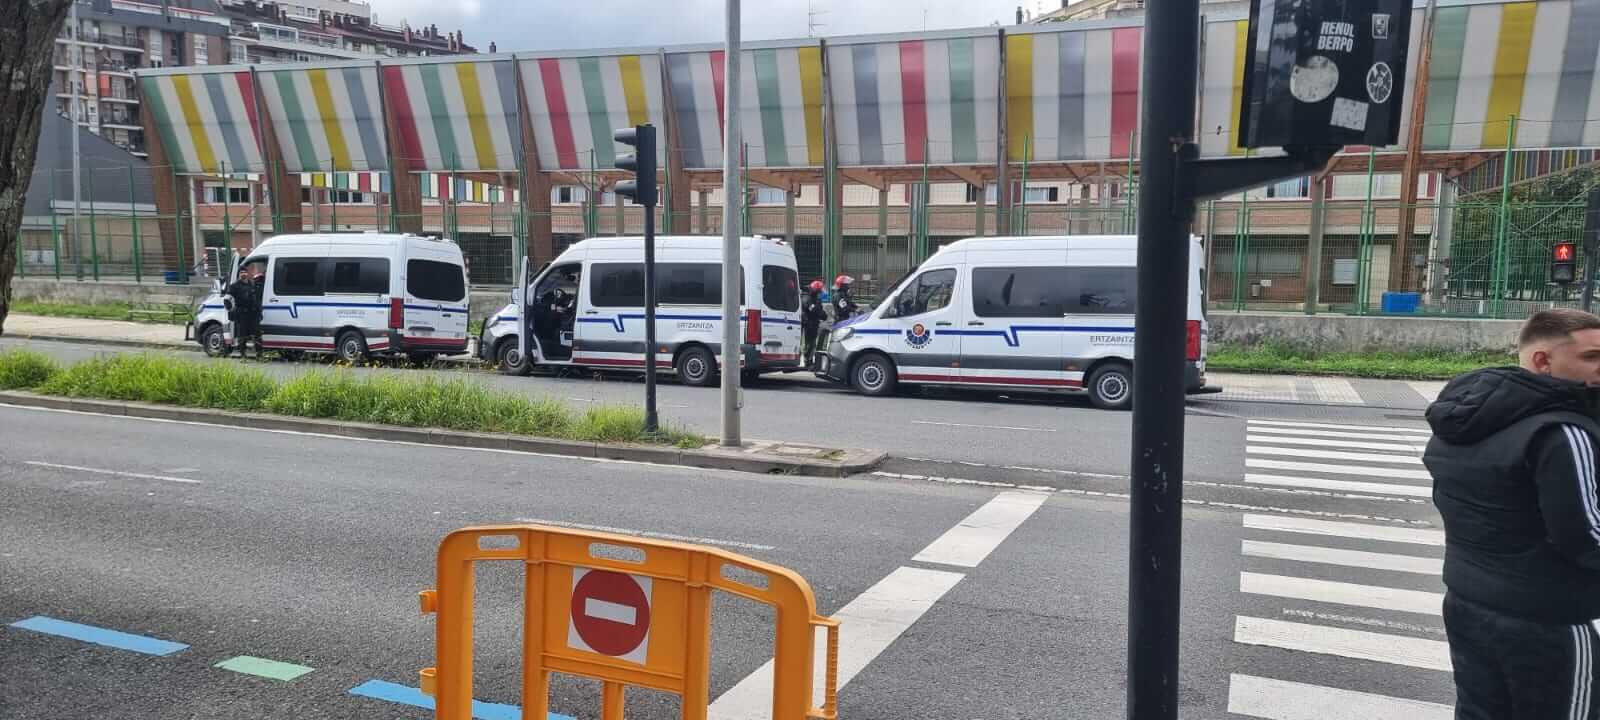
(610, 614)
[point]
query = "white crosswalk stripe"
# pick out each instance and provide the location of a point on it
(1362, 597)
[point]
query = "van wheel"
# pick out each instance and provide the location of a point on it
(696, 367)
(874, 375)
(352, 347)
(1111, 386)
(213, 342)
(749, 377)
(510, 360)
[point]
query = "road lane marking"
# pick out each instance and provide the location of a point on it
(876, 618)
(1355, 486)
(1282, 700)
(1358, 531)
(99, 636)
(1373, 622)
(1333, 455)
(118, 473)
(1414, 430)
(1346, 558)
(262, 667)
(647, 533)
(1354, 644)
(406, 695)
(983, 427)
(1295, 432)
(1254, 437)
(970, 541)
(1342, 593)
(1362, 470)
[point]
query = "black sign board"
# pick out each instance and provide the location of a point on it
(1325, 72)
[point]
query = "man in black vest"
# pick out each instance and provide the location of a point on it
(1514, 478)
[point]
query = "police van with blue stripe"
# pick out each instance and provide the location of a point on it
(1033, 313)
(586, 309)
(351, 295)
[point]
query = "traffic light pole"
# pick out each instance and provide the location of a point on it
(1171, 180)
(651, 420)
(642, 189)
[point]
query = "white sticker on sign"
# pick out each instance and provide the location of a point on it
(1349, 114)
(615, 612)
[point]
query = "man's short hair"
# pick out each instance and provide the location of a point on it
(1555, 324)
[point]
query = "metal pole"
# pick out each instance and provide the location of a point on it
(1368, 225)
(731, 232)
(1498, 269)
(177, 225)
(1591, 245)
(76, 77)
(55, 231)
(1156, 488)
(1020, 225)
(138, 242)
(1319, 224)
(647, 157)
(94, 239)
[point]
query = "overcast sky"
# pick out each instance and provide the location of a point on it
(564, 24)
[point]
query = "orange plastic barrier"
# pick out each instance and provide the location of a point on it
(622, 610)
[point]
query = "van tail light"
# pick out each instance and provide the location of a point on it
(397, 313)
(752, 327)
(1191, 345)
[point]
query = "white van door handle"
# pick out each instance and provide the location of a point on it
(943, 323)
(974, 322)
(591, 312)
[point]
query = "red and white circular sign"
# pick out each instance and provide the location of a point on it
(610, 614)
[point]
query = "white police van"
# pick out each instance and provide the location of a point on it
(1036, 313)
(586, 308)
(352, 295)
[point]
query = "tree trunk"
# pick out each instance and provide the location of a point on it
(28, 30)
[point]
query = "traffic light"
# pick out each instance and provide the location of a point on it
(1564, 263)
(641, 162)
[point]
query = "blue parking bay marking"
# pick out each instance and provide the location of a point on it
(406, 695)
(99, 636)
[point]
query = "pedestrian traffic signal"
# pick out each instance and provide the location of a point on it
(1564, 263)
(642, 163)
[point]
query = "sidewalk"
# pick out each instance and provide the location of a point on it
(1353, 392)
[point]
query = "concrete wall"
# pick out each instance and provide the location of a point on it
(1350, 333)
(483, 301)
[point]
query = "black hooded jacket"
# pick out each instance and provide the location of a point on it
(1513, 465)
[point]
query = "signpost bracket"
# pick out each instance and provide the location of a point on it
(1216, 178)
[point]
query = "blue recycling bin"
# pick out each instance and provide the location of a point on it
(1401, 302)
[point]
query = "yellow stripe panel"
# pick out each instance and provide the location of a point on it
(329, 116)
(1510, 72)
(192, 122)
(633, 90)
(1241, 43)
(811, 96)
(1019, 95)
(477, 118)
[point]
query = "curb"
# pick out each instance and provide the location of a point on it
(857, 461)
(185, 347)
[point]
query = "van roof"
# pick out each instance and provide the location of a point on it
(366, 238)
(1045, 242)
(691, 242)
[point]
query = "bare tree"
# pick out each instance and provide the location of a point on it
(28, 30)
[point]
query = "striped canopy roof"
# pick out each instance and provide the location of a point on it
(1061, 92)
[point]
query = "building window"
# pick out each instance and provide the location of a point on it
(1034, 194)
(235, 194)
(237, 53)
(769, 196)
(201, 53)
(567, 195)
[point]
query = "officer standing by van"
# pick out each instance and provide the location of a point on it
(813, 312)
(844, 307)
(244, 312)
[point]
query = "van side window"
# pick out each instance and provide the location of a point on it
(780, 288)
(359, 276)
(931, 291)
(1101, 290)
(434, 280)
(686, 284)
(616, 285)
(1018, 292)
(298, 277)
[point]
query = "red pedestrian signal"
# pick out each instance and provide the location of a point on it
(1564, 263)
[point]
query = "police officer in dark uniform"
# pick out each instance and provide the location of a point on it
(844, 307)
(813, 313)
(243, 311)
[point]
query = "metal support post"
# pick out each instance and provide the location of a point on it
(1591, 246)
(138, 242)
(1319, 224)
(731, 232)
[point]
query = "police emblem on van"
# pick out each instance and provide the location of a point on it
(918, 336)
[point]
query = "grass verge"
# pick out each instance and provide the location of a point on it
(1410, 365)
(452, 404)
(94, 311)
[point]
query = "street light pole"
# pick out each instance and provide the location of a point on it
(732, 197)
(1156, 503)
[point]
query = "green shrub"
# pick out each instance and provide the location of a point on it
(157, 379)
(25, 369)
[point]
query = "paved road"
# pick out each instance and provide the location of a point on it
(1310, 566)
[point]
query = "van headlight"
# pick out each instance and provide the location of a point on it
(844, 334)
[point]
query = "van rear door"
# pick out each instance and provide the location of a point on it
(780, 314)
(435, 302)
